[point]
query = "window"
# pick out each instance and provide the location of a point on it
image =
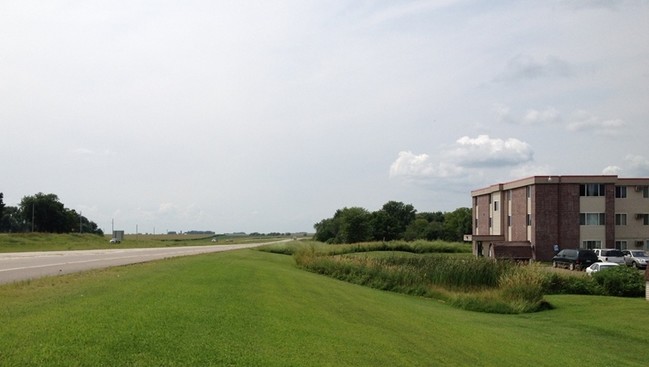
(620, 219)
(509, 221)
(528, 191)
(489, 222)
(591, 190)
(645, 191)
(592, 219)
(495, 206)
(591, 244)
(620, 245)
(620, 192)
(529, 219)
(644, 218)
(509, 195)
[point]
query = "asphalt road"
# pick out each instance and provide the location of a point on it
(19, 266)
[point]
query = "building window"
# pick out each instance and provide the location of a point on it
(529, 219)
(592, 219)
(476, 223)
(620, 245)
(495, 206)
(620, 192)
(528, 191)
(620, 219)
(592, 190)
(645, 191)
(509, 195)
(644, 218)
(591, 244)
(509, 221)
(489, 222)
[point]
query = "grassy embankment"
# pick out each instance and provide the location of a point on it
(23, 242)
(447, 272)
(251, 308)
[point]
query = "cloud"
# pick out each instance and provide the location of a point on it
(468, 157)
(410, 165)
(612, 170)
(535, 117)
(531, 169)
(523, 67)
(486, 151)
(587, 122)
(638, 165)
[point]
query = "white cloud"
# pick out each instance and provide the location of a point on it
(548, 116)
(486, 151)
(583, 121)
(612, 170)
(410, 165)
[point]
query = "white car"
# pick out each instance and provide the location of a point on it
(610, 255)
(599, 266)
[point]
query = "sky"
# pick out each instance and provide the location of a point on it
(268, 116)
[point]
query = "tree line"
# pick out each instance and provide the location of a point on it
(43, 213)
(394, 221)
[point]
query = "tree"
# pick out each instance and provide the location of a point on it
(354, 225)
(391, 221)
(45, 213)
(2, 206)
(457, 223)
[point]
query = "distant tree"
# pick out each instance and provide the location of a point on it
(456, 224)
(45, 213)
(354, 225)
(391, 221)
(2, 205)
(12, 220)
(325, 230)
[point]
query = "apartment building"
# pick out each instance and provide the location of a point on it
(535, 216)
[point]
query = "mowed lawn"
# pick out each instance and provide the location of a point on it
(250, 308)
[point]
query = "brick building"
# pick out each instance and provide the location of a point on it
(535, 216)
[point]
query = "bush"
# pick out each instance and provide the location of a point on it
(554, 283)
(620, 281)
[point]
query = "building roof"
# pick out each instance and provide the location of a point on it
(553, 179)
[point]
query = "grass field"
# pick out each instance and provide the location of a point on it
(251, 308)
(22, 242)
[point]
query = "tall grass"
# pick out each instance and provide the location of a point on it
(470, 283)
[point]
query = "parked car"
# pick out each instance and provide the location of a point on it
(600, 266)
(610, 255)
(114, 240)
(636, 258)
(574, 259)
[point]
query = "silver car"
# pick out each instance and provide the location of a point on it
(636, 258)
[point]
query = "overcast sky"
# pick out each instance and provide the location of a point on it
(263, 116)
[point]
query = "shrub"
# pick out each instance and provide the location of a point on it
(554, 283)
(620, 281)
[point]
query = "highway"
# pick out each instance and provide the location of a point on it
(18, 266)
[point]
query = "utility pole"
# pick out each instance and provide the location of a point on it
(33, 206)
(80, 221)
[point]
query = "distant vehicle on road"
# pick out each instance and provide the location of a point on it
(636, 258)
(114, 240)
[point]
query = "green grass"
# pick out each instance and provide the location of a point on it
(251, 308)
(23, 242)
